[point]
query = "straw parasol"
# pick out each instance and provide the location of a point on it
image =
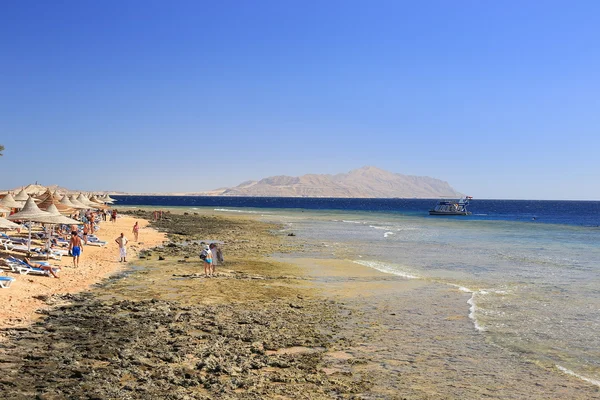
(84, 200)
(51, 200)
(30, 213)
(108, 199)
(57, 218)
(10, 202)
(96, 199)
(6, 224)
(76, 203)
(65, 200)
(98, 203)
(22, 196)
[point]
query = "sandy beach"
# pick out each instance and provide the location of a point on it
(19, 303)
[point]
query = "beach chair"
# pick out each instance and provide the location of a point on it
(6, 281)
(18, 261)
(94, 241)
(38, 252)
(21, 267)
(62, 242)
(15, 240)
(7, 244)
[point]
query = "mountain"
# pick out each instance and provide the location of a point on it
(366, 182)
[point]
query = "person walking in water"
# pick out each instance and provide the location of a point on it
(136, 230)
(122, 242)
(75, 248)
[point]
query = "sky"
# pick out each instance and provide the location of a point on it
(500, 99)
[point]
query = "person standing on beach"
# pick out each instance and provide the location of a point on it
(114, 216)
(206, 256)
(217, 256)
(122, 242)
(86, 230)
(75, 248)
(136, 230)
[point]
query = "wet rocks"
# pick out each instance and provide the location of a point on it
(149, 348)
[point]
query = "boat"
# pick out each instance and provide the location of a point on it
(451, 207)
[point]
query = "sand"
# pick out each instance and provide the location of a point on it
(18, 304)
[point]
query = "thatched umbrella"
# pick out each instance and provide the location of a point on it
(6, 224)
(9, 201)
(84, 200)
(76, 203)
(97, 203)
(57, 218)
(51, 200)
(108, 199)
(30, 213)
(22, 196)
(65, 200)
(96, 199)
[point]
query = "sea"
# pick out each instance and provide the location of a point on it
(531, 268)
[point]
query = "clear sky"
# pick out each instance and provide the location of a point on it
(499, 98)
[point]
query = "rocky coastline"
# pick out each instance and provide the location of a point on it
(265, 337)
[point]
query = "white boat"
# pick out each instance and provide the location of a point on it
(451, 207)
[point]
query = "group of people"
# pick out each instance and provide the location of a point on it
(212, 256)
(89, 219)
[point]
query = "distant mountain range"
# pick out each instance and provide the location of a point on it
(366, 182)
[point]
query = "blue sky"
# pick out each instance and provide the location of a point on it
(500, 99)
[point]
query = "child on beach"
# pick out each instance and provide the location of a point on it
(207, 257)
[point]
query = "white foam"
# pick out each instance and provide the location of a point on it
(352, 222)
(387, 234)
(472, 311)
(388, 269)
(239, 211)
(472, 305)
(583, 378)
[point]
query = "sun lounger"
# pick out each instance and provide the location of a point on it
(61, 252)
(62, 242)
(15, 240)
(98, 243)
(94, 241)
(7, 244)
(38, 252)
(19, 261)
(6, 281)
(21, 267)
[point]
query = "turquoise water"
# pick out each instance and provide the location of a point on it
(535, 288)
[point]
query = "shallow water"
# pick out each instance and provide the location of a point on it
(534, 289)
(531, 289)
